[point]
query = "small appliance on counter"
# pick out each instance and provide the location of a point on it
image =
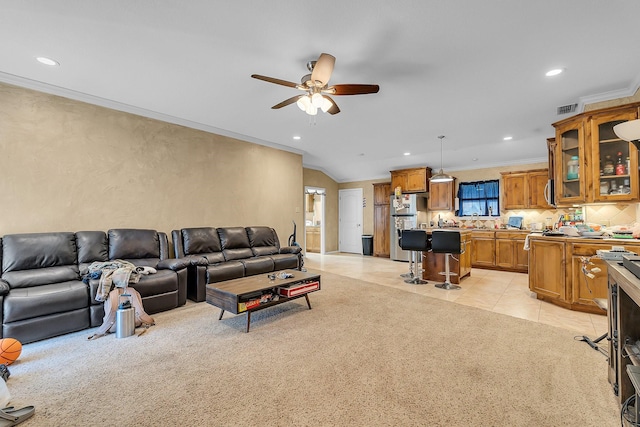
(515, 222)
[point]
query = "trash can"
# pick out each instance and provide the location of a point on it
(367, 244)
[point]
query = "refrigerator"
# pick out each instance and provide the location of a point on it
(404, 216)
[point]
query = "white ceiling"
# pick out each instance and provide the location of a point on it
(470, 70)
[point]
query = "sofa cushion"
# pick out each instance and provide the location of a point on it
(235, 243)
(162, 282)
(214, 258)
(200, 240)
(133, 244)
(285, 261)
(263, 240)
(26, 303)
(41, 276)
(38, 250)
(225, 271)
(92, 246)
(257, 265)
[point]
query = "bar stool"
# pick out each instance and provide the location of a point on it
(415, 241)
(448, 243)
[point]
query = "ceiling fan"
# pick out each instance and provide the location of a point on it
(316, 88)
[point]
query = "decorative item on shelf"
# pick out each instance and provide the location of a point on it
(608, 168)
(629, 131)
(441, 176)
(573, 168)
(621, 169)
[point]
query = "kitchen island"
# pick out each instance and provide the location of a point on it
(433, 264)
(556, 272)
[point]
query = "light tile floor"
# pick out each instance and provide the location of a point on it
(498, 291)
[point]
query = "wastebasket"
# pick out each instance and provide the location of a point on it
(367, 244)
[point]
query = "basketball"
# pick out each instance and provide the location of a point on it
(10, 349)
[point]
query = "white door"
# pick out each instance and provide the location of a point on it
(350, 217)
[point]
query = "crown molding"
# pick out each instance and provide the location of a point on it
(608, 96)
(125, 108)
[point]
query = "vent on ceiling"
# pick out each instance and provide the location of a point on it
(566, 109)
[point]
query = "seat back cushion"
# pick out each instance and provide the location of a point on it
(202, 240)
(445, 242)
(263, 240)
(235, 243)
(133, 244)
(92, 247)
(39, 258)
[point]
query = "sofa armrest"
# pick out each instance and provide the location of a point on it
(173, 264)
(290, 250)
(4, 288)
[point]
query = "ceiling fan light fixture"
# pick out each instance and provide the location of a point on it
(312, 110)
(326, 104)
(316, 100)
(303, 103)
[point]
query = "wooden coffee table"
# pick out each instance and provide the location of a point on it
(253, 293)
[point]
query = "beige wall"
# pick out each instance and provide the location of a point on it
(316, 178)
(71, 166)
(367, 194)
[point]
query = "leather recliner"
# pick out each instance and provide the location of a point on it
(41, 287)
(225, 253)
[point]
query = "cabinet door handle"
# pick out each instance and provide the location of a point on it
(547, 193)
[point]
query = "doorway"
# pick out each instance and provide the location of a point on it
(314, 220)
(350, 213)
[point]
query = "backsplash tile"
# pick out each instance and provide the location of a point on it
(607, 215)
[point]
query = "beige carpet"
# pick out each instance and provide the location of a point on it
(365, 355)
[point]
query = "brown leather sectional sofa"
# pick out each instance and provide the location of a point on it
(218, 254)
(41, 289)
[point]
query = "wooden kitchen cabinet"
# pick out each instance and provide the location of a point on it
(589, 137)
(547, 266)
(414, 180)
(483, 249)
(510, 253)
(313, 239)
(583, 289)
(381, 219)
(382, 193)
(525, 190)
(555, 270)
(441, 196)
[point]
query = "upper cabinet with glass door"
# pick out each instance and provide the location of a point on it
(616, 160)
(591, 163)
(571, 163)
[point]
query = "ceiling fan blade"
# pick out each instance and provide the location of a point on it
(273, 80)
(287, 102)
(323, 69)
(355, 89)
(334, 107)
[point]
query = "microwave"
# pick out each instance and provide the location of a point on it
(550, 193)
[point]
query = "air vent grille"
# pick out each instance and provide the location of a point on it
(566, 109)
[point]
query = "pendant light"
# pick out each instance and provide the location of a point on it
(441, 176)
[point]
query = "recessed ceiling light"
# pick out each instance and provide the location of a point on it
(507, 138)
(296, 137)
(47, 61)
(407, 154)
(554, 72)
(475, 159)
